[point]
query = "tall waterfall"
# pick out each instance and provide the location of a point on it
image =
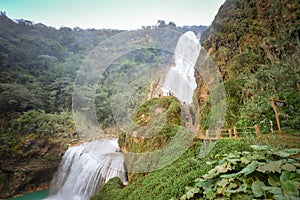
(180, 79)
(85, 168)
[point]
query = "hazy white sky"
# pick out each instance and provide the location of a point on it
(116, 14)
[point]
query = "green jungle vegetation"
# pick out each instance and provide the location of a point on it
(38, 69)
(232, 169)
(38, 66)
(261, 173)
(170, 181)
(255, 44)
(157, 123)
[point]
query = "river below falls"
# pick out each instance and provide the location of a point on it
(38, 195)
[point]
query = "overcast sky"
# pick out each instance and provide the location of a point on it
(115, 14)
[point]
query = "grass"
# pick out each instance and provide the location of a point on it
(170, 181)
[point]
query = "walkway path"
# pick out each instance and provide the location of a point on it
(188, 123)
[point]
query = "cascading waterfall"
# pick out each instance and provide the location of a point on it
(180, 80)
(85, 168)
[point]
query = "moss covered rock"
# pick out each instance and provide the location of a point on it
(111, 189)
(156, 123)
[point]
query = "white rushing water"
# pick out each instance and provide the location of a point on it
(180, 80)
(85, 168)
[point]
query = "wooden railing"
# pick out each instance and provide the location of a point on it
(231, 133)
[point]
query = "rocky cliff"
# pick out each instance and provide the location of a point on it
(255, 45)
(30, 168)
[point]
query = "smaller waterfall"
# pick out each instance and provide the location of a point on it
(85, 168)
(180, 79)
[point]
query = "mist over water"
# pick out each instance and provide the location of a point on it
(85, 168)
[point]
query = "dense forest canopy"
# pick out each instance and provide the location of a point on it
(39, 63)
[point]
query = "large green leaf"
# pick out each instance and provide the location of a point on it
(234, 175)
(234, 161)
(273, 190)
(232, 185)
(290, 188)
(223, 168)
(259, 148)
(210, 193)
(257, 188)
(287, 152)
(240, 196)
(280, 197)
(274, 166)
(245, 160)
(249, 168)
(223, 182)
(241, 188)
(190, 193)
(233, 156)
(297, 164)
(200, 183)
(286, 175)
(273, 180)
(211, 174)
(289, 167)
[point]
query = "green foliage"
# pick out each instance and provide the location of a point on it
(244, 63)
(34, 125)
(110, 189)
(170, 181)
(39, 63)
(156, 124)
(255, 45)
(157, 120)
(17, 98)
(123, 86)
(279, 81)
(223, 146)
(42, 123)
(260, 173)
(38, 68)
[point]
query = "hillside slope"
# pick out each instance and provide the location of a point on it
(255, 45)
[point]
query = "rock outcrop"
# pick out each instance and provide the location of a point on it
(31, 167)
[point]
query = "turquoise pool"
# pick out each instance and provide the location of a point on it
(39, 195)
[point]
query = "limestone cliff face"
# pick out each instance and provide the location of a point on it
(31, 167)
(156, 122)
(155, 90)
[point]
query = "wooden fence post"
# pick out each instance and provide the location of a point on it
(218, 134)
(257, 130)
(276, 114)
(230, 133)
(235, 133)
(199, 134)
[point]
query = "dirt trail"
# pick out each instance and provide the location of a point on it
(188, 121)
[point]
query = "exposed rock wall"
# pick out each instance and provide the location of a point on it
(30, 168)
